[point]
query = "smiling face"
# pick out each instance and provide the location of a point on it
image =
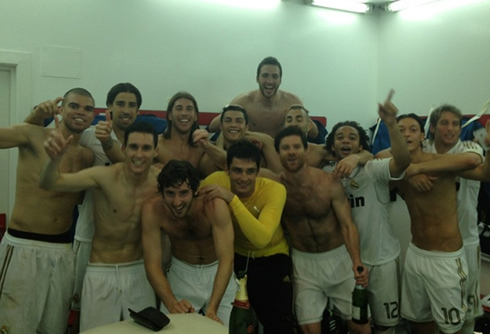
(292, 153)
(140, 151)
(243, 174)
(124, 110)
(299, 118)
(183, 115)
(346, 142)
(178, 199)
(269, 80)
(412, 133)
(233, 125)
(447, 130)
(77, 112)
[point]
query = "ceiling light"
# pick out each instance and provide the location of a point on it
(405, 4)
(345, 5)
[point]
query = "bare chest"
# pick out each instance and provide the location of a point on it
(188, 230)
(168, 151)
(307, 201)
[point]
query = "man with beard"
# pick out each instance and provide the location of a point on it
(201, 239)
(115, 278)
(325, 243)
(183, 140)
(267, 105)
(36, 281)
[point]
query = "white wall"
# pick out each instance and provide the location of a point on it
(205, 47)
(437, 56)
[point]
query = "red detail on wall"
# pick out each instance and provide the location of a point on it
(3, 224)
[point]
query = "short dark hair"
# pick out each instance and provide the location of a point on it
(287, 132)
(124, 87)
(413, 116)
(363, 136)
(176, 172)
(435, 115)
(78, 91)
(181, 95)
(234, 107)
(143, 127)
(298, 106)
(243, 149)
(269, 61)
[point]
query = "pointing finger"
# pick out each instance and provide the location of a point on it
(390, 95)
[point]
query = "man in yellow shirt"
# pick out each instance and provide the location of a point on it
(261, 250)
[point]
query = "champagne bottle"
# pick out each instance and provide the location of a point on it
(242, 319)
(359, 302)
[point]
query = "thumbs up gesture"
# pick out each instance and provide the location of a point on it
(103, 129)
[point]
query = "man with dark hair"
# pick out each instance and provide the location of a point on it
(201, 239)
(435, 258)
(367, 189)
(267, 105)
(36, 280)
(123, 103)
(184, 140)
(234, 127)
(324, 240)
(115, 277)
(261, 250)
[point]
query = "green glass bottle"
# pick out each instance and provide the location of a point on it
(242, 319)
(359, 302)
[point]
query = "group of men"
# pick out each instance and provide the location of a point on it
(172, 237)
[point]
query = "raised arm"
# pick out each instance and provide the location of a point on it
(46, 109)
(341, 207)
(51, 178)
(401, 156)
(214, 157)
(346, 166)
(266, 143)
(223, 236)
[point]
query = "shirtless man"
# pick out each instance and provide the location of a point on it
(123, 103)
(324, 238)
(184, 140)
(445, 129)
(435, 258)
(367, 189)
(115, 278)
(201, 237)
(234, 127)
(36, 281)
(261, 250)
(267, 105)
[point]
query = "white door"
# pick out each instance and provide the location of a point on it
(5, 84)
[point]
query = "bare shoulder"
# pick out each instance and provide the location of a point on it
(290, 97)
(245, 98)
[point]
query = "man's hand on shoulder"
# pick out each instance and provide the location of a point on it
(213, 191)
